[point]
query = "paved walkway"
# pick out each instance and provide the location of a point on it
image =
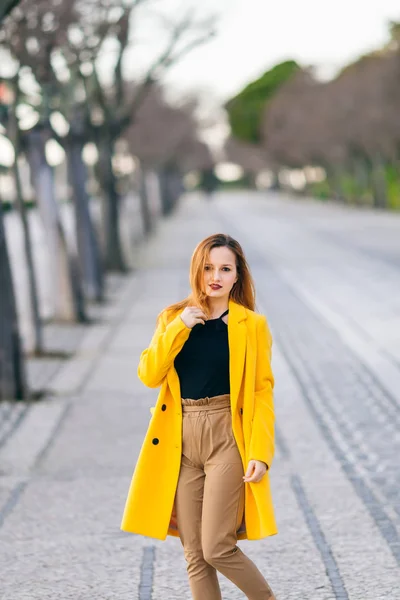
(60, 339)
(329, 280)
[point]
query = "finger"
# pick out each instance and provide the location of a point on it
(254, 473)
(199, 314)
(249, 471)
(198, 311)
(251, 474)
(253, 479)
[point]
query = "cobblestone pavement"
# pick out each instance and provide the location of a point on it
(328, 279)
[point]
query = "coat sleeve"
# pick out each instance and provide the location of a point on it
(166, 343)
(262, 441)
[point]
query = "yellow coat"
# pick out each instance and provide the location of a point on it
(149, 508)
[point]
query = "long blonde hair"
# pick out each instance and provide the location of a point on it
(243, 291)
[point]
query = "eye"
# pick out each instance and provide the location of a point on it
(226, 269)
(206, 268)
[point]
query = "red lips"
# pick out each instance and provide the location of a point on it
(215, 287)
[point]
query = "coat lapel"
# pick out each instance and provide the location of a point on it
(237, 338)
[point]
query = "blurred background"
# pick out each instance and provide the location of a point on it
(111, 109)
(130, 130)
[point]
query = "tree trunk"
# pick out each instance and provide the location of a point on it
(37, 329)
(379, 181)
(170, 188)
(252, 179)
(114, 258)
(145, 201)
(64, 271)
(33, 301)
(13, 384)
(164, 192)
(88, 246)
(338, 173)
(362, 178)
(154, 193)
(333, 190)
(276, 184)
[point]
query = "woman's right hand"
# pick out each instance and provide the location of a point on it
(192, 315)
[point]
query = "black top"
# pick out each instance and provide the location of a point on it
(203, 363)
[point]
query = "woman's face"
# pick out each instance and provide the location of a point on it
(220, 272)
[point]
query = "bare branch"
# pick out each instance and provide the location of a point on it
(168, 58)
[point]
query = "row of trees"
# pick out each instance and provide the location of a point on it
(53, 50)
(347, 127)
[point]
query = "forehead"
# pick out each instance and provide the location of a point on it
(222, 255)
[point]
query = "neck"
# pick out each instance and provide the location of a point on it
(218, 306)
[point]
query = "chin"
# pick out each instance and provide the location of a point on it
(218, 294)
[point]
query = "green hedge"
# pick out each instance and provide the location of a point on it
(245, 111)
(355, 195)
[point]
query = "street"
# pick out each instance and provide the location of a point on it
(328, 279)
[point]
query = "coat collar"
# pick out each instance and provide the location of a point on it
(237, 312)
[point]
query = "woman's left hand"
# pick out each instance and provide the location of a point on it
(256, 470)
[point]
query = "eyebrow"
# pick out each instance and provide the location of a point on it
(224, 265)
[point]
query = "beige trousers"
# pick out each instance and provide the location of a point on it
(210, 502)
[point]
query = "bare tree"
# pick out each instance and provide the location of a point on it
(165, 139)
(5, 7)
(114, 106)
(348, 126)
(31, 33)
(12, 369)
(14, 134)
(13, 383)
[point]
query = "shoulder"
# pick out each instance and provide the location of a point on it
(255, 317)
(260, 323)
(240, 312)
(167, 315)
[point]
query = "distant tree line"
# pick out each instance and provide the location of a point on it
(52, 49)
(341, 137)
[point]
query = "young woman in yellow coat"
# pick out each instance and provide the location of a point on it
(203, 469)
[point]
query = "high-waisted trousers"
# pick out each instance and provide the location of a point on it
(209, 502)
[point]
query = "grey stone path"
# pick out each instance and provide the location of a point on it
(328, 279)
(60, 339)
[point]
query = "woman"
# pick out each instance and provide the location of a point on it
(202, 473)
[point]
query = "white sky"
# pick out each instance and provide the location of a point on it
(253, 35)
